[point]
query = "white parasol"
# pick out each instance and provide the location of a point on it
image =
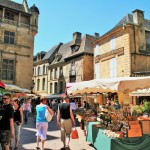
(121, 84)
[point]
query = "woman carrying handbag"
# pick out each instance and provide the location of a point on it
(65, 118)
(41, 121)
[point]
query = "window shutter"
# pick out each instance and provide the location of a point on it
(97, 50)
(97, 70)
(112, 44)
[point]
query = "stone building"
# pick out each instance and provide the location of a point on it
(125, 49)
(73, 63)
(40, 70)
(18, 27)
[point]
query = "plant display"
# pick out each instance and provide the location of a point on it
(138, 109)
(146, 107)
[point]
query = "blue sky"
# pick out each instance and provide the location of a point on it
(59, 19)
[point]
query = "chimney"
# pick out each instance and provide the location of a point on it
(138, 17)
(96, 35)
(77, 38)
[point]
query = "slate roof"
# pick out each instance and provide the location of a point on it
(128, 19)
(51, 51)
(85, 46)
(64, 50)
(13, 5)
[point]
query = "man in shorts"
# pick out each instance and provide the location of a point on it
(6, 123)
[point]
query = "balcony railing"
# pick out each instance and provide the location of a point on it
(14, 23)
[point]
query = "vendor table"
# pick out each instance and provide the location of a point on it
(102, 142)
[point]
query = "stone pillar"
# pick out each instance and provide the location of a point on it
(19, 20)
(3, 14)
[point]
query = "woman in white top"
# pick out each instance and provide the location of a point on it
(26, 109)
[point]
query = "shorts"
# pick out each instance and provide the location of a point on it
(5, 137)
(42, 130)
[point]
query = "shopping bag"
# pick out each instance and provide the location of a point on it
(74, 134)
(48, 116)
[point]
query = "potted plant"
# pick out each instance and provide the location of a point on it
(146, 108)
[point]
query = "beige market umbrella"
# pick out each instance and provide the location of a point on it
(121, 84)
(13, 88)
(26, 90)
(140, 92)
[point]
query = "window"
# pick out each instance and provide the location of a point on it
(9, 15)
(43, 85)
(55, 73)
(51, 87)
(55, 87)
(113, 68)
(61, 71)
(44, 69)
(7, 69)
(61, 87)
(97, 51)
(38, 84)
(72, 79)
(9, 37)
(112, 43)
(38, 70)
(51, 74)
(35, 22)
(97, 70)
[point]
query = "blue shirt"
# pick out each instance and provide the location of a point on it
(40, 110)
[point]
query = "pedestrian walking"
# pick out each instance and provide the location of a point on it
(6, 123)
(65, 118)
(26, 110)
(18, 120)
(41, 122)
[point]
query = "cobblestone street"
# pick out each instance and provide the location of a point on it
(28, 138)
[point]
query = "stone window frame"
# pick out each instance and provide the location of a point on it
(43, 84)
(51, 87)
(38, 84)
(8, 68)
(61, 71)
(61, 87)
(9, 37)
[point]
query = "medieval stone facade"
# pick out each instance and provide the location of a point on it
(124, 50)
(68, 62)
(40, 70)
(18, 27)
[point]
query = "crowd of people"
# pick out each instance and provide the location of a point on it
(13, 114)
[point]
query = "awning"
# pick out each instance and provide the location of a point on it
(54, 96)
(12, 87)
(143, 92)
(120, 84)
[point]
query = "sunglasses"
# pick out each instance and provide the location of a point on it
(5, 98)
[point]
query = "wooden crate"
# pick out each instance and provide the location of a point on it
(133, 122)
(135, 132)
(145, 126)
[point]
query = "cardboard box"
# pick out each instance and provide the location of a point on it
(145, 126)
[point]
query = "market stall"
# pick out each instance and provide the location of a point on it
(117, 121)
(101, 141)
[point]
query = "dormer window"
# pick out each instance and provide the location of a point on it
(58, 57)
(74, 48)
